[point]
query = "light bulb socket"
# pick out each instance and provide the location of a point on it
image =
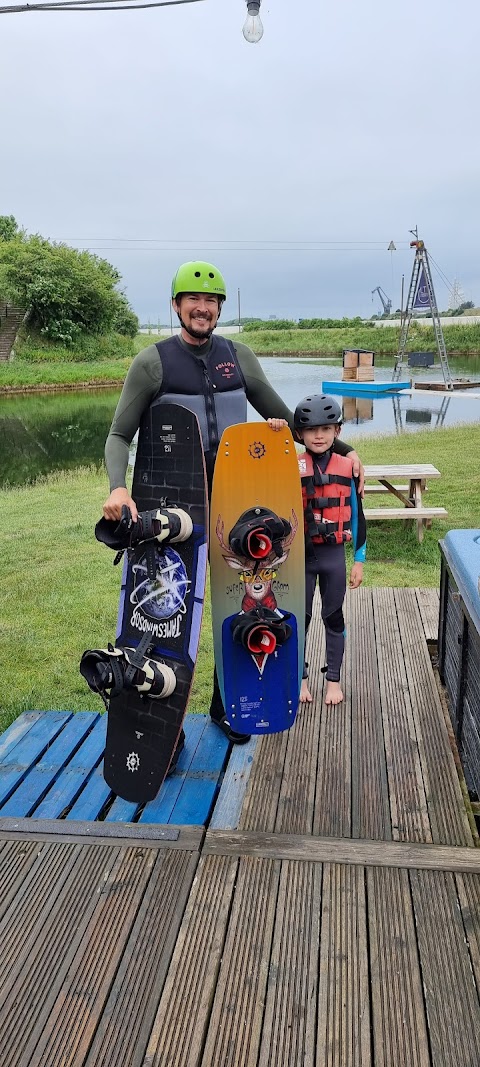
(253, 7)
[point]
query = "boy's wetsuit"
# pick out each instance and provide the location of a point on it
(327, 563)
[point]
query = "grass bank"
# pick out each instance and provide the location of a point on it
(383, 340)
(35, 367)
(96, 361)
(61, 590)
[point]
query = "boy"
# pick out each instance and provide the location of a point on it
(333, 514)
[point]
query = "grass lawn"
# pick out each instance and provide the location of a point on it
(60, 590)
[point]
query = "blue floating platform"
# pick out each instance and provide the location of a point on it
(370, 389)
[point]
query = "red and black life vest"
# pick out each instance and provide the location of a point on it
(326, 499)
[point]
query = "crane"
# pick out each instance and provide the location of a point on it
(387, 303)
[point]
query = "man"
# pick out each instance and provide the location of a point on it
(206, 373)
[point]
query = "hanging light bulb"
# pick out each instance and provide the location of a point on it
(253, 29)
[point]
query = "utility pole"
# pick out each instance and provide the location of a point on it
(239, 315)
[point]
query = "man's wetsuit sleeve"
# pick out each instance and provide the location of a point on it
(259, 391)
(359, 526)
(142, 383)
(264, 399)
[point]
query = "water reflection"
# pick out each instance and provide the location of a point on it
(52, 431)
(401, 413)
(60, 431)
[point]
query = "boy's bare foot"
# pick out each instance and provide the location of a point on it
(305, 694)
(333, 694)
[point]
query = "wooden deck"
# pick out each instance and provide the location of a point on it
(328, 914)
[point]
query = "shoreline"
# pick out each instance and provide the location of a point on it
(117, 382)
(59, 387)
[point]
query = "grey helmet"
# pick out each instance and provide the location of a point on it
(317, 410)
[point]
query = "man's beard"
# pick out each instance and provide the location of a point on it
(200, 327)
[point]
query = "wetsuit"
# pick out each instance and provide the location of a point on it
(326, 564)
(144, 383)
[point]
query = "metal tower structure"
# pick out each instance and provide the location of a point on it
(422, 280)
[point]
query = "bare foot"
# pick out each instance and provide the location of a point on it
(334, 694)
(305, 694)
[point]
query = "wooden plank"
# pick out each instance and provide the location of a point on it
(446, 808)
(264, 784)
(29, 749)
(383, 488)
(125, 1026)
(370, 801)
(343, 1002)
(228, 806)
(42, 775)
(299, 782)
(398, 1013)
(332, 803)
(408, 803)
(178, 1033)
(468, 889)
(235, 1027)
(38, 934)
(401, 470)
(405, 513)
(75, 1005)
(200, 784)
(151, 836)
(428, 601)
(452, 1000)
(288, 1030)
(341, 850)
(74, 777)
(93, 799)
(16, 858)
(16, 731)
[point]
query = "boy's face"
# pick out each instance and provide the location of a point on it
(319, 438)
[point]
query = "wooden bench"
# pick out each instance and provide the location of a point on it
(405, 513)
(409, 494)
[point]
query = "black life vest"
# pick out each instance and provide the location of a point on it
(214, 389)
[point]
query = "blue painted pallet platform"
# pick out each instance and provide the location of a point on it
(369, 389)
(51, 768)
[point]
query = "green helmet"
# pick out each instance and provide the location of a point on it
(198, 277)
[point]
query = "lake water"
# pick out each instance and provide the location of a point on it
(60, 431)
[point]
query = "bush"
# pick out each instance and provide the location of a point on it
(35, 349)
(68, 293)
(305, 324)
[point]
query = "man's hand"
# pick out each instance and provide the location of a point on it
(358, 471)
(112, 508)
(356, 575)
(277, 424)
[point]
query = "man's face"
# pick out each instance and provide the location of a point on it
(199, 312)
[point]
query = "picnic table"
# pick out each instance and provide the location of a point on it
(414, 483)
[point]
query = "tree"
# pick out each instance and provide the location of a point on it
(68, 293)
(8, 227)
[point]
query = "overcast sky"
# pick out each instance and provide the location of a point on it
(347, 125)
